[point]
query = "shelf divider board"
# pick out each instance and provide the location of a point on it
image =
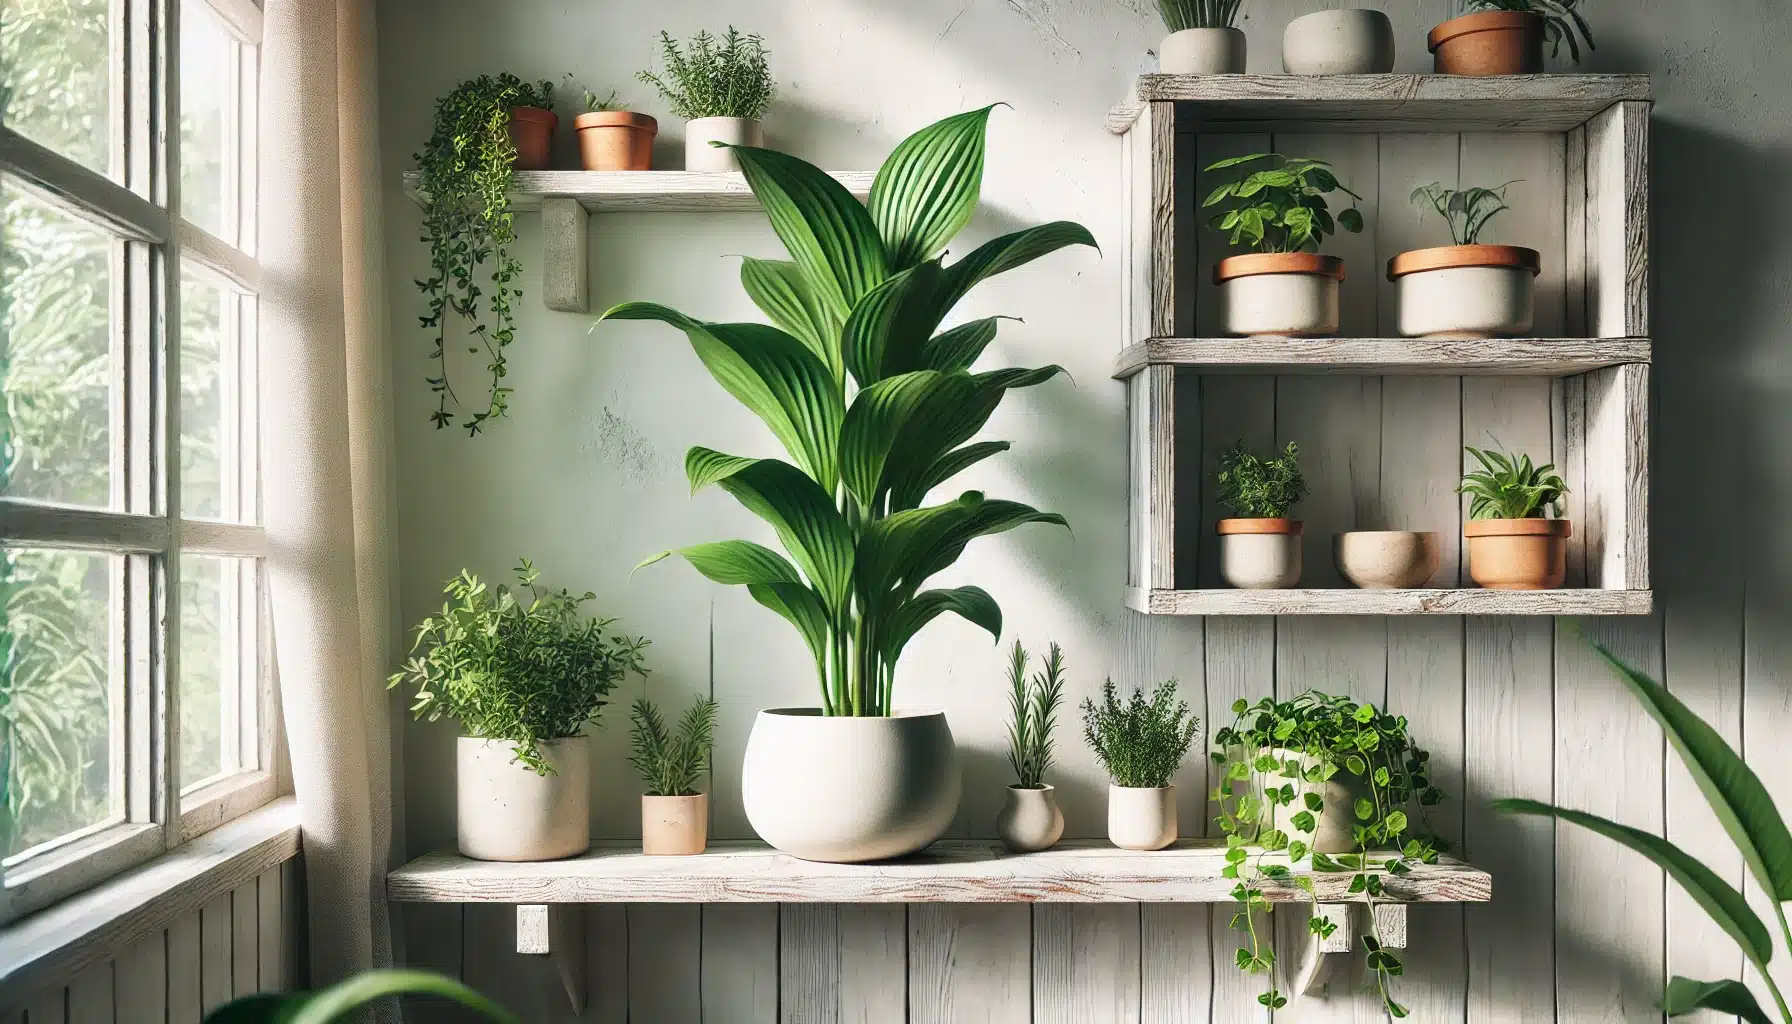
(1346, 601)
(1547, 357)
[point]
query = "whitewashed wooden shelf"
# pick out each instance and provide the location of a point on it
(1546, 357)
(1466, 601)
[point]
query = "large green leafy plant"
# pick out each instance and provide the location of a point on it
(1279, 206)
(875, 405)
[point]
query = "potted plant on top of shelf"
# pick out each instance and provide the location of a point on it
(1203, 40)
(1278, 210)
(865, 290)
(674, 815)
(1513, 541)
(1031, 820)
(1260, 545)
(613, 137)
(1141, 744)
(1466, 289)
(1506, 37)
(721, 89)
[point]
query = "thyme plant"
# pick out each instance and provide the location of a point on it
(1506, 487)
(1257, 488)
(1141, 742)
(1561, 20)
(1186, 14)
(1280, 207)
(711, 78)
(671, 762)
(1466, 211)
(1033, 715)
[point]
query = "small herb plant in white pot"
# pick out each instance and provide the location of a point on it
(1203, 40)
(1260, 546)
(1277, 208)
(1140, 743)
(1465, 289)
(1031, 819)
(1517, 538)
(674, 815)
(721, 88)
(523, 680)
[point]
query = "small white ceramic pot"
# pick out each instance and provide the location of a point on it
(1333, 829)
(1349, 42)
(1030, 820)
(1386, 559)
(699, 155)
(1280, 293)
(1141, 819)
(843, 790)
(1466, 291)
(1260, 554)
(507, 812)
(1202, 51)
(674, 826)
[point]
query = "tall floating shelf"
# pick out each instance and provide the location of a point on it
(1581, 393)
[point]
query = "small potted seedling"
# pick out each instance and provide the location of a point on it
(1031, 819)
(613, 137)
(1203, 39)
(674, 815)
(1141, 743)
(1260, 545)
(1466, 289)
(721, 88)
(1517, 539)
(1506, 37)
(1277, 208)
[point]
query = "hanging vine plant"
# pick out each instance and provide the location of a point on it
(464, 176)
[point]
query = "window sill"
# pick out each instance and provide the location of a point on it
(54, 944)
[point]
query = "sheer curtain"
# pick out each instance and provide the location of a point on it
(327, 441)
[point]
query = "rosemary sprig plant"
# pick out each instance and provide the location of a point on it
(1033, 714)
(672, 763)
(707, 79)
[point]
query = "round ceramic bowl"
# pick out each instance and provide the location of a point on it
(1386, 559)
(1349, 42)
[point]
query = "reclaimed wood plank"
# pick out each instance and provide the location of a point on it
(1617, 220)
(214, 953)
(1340, 601)
(969, 963)
(245, 940)
(739, 964)
(1136, 225)
(645, 191)
(1164, 254)
(1547, 357)
(273, 930)
(808, 963)
(873, 951)
(91, 995)
(1086, 964)
(186, 1003)
(664, 961)
(141, 981)
(1616, 482)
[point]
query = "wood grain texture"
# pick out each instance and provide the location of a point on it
(645, 191)
(565, 249)
(1164, 250)
(91, 996)
(186, 1002)
(271, 942)
(140, 979)
(1616, 482)
(1341, 601)
(664, 962)
(1151, 518)
(1617, 220)
(1086, 964)
(214, 953)
(1547, 357)
(245, 940)
(970, 963)
(874, 962)
(1137, 231)
(739, 964)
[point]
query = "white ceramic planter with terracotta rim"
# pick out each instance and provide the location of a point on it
(1280, 293)
(1518, 554)
(1387, 559)
(1259, 554)
(1030, 820)
(674, 826)
(1141, 819)
(1466, 291)
(1202, 51)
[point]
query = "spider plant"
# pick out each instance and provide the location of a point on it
(1561, 20)
(1466, 211)
(1186, 14)
(1507, 487)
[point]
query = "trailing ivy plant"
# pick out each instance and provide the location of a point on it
(1033, 714)
(1561, 20)
(672, 762)
(1140, 743)
(1466, 211)
(1186, 14)
(704, 79)
(1257, 488)
(1272, 755)
(1281, 206)
(463, 180)
(1508, 487)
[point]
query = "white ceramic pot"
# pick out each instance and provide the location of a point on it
(1386, 559)
(1333, 832)
(699, 155)
(1202, 51)
(1030, 820)
(507, 812)
(1260, 554)
(1349, 42)
(1466, 291)
(1141, 819)
(1284, 293)
(850, 789)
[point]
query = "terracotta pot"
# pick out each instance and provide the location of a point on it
(1466, 291)
(1141, 819)
(1030, 820)
(1518, 554)
(1488, 43)
(532, 133)
(616, 140)
(1259, 554)
(1386, 559)
(674, 826)
(1280, 293)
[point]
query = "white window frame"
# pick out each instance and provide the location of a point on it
(144, 211)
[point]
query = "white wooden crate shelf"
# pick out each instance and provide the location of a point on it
(1544, 357)
(1463, 601)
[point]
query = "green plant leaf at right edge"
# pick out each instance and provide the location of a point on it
(1686, 996)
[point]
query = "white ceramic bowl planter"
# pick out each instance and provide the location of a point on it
(1280, 293)
(1386, 559)
(1260, 554)
(842, 790)
(507, 812)
(699, 155)
(1202, 51)
(1350, 42)
(1030, 820)
(1466, 291)
(1141, 819)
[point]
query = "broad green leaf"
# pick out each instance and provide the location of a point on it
(948, 418)
(944, 468)
(988, 518)
(890, 327)
(1719, 899)
(1732, 998)
(1009, 251)
(928, 188)
(901, 539)
(959, 347)
(781, 292)
(972, 603)
(796, 507)
(738, 563)
(334, 1003)
(800, 607)
(882, 414)
(827, 232)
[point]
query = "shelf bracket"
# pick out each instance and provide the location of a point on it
(1320, 955)
(564, 227)
(556, 931)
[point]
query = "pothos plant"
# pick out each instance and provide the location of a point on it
(875, 404)
(1280, 207)
(1280, 755)
(463, 180)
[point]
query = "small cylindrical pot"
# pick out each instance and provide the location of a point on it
(1488, 43)
(1030, 819)
(532, 133)
(1259, 554)
(1202, 51)
(1518, 554)
(615, 140)
(1387, 559)
(674, 826)
(1333, 830)
(507, 812)
(1141, 819)
(1280, 293)
(699, 155)
(1466, 291)
(1348, 42)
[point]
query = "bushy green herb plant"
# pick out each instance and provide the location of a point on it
(1280, 207)
(1257, 488)
(339, 1001)
(1561, 20)
(1185, 14)
(1269, 757)
(1140, 743)
(1033, 714)
(711, 78)
(509, 671)
(672, 763)
(1511, 488)
(1466, 211)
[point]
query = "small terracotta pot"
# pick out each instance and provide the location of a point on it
(532, 133)
(616, 140)
(1488, 43)
(1280, 293)
(1466, 291)
(1518, 554)
(1259, 554)
(674, 826)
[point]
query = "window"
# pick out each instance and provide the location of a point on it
(135, 696)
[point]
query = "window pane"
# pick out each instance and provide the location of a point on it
(217, 399)
(56, 57)
(220, 668)
(55, 287)
(216, 120)
(61, 700)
